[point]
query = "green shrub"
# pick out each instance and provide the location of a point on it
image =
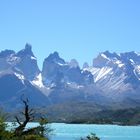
(92, 136)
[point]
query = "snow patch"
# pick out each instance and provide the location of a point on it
(92, 70)
(119, 54)
(119, 63)
(60, 64)
(137, 71)
(103, 71)
(20, 76)
(131, 61)
(13, 59)
(38, 81)
(136, 74)
(33, 58)
(74, 85)
(138, 54)
(104, 56)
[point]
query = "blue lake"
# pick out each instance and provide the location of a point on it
(104, 132)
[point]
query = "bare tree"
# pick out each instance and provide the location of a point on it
(28, 115)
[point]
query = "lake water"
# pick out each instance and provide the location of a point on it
(104, 132)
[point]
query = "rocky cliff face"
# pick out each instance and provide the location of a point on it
(57, 72)
(23, 62)
(27, 63)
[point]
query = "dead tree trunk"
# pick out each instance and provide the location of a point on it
(28, 115)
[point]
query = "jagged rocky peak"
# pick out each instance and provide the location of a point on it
(130, 57)
(6, 59)
(114, 58)
(126, 56)
(73, 63)
(110, 55)
(6, 53)
(57, 72)
(106, 58)
(85, 65)
(100, 61)
(130, 54)
(26, 51)
(27, 60)
(23, 62)
(55, 58)
(52, 69)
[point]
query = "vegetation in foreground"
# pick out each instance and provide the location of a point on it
(20, 132)
(91, 137)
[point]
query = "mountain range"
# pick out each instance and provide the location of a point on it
(111, 82)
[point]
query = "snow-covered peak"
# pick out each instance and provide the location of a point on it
(110, 55)
(113, 59)
(105, 58)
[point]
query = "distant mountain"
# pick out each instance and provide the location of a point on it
(113, 80)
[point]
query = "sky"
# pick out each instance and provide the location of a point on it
(77, 29)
